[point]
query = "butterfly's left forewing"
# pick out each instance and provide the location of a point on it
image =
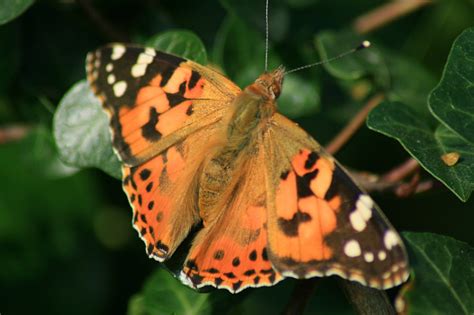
(161, 107)
(319, 221)
(155, 99)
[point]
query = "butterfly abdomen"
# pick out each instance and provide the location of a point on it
(247, 118)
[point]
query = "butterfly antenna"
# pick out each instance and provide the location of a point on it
(363, 45)
(266, 35)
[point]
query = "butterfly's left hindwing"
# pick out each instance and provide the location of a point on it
(319, 222)
(231, 250)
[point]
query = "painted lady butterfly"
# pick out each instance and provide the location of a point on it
(196, 149)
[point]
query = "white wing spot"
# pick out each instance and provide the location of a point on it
(144, 58)
(138, 70)
(352, 248)
(364, 206)
(369, 257)
(382, 255)
(117, 52)
(362, 212)
(120, 88)
(390, 239)
(111, 79)
(357, 222)
(150, 51)
(109, 67)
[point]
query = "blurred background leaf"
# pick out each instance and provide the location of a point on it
(81, 131)
(11, 9)
(180, 43)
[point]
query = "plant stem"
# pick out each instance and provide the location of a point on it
(386, 13)
(367, 301)
(356, 122)
(401, 171)
(13, 133)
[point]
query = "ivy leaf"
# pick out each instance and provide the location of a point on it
(443, 281)
(81, 131)
(452, 100)
(426, 145)
(10, 9)
(163, 294)
(182, 43)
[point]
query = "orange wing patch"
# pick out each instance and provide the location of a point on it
(232, 250)
(304, 217)
(233, 260)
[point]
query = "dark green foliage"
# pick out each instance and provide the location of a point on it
(66, 242)
(444, 275)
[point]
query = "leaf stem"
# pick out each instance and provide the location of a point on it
(386, 13)
(356, 122)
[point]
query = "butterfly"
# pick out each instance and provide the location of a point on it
(198, 151)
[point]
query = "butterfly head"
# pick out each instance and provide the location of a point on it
(270, 83)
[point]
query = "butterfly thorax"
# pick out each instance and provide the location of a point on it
(248, 119)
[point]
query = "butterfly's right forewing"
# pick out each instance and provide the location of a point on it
(319, 221)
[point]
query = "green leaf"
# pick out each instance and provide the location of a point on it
(10, 9)
(443, 281)
(452, 100)
(403, 123)
(81, 131)
(182, 43)
(163, 294)
(355, 66)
